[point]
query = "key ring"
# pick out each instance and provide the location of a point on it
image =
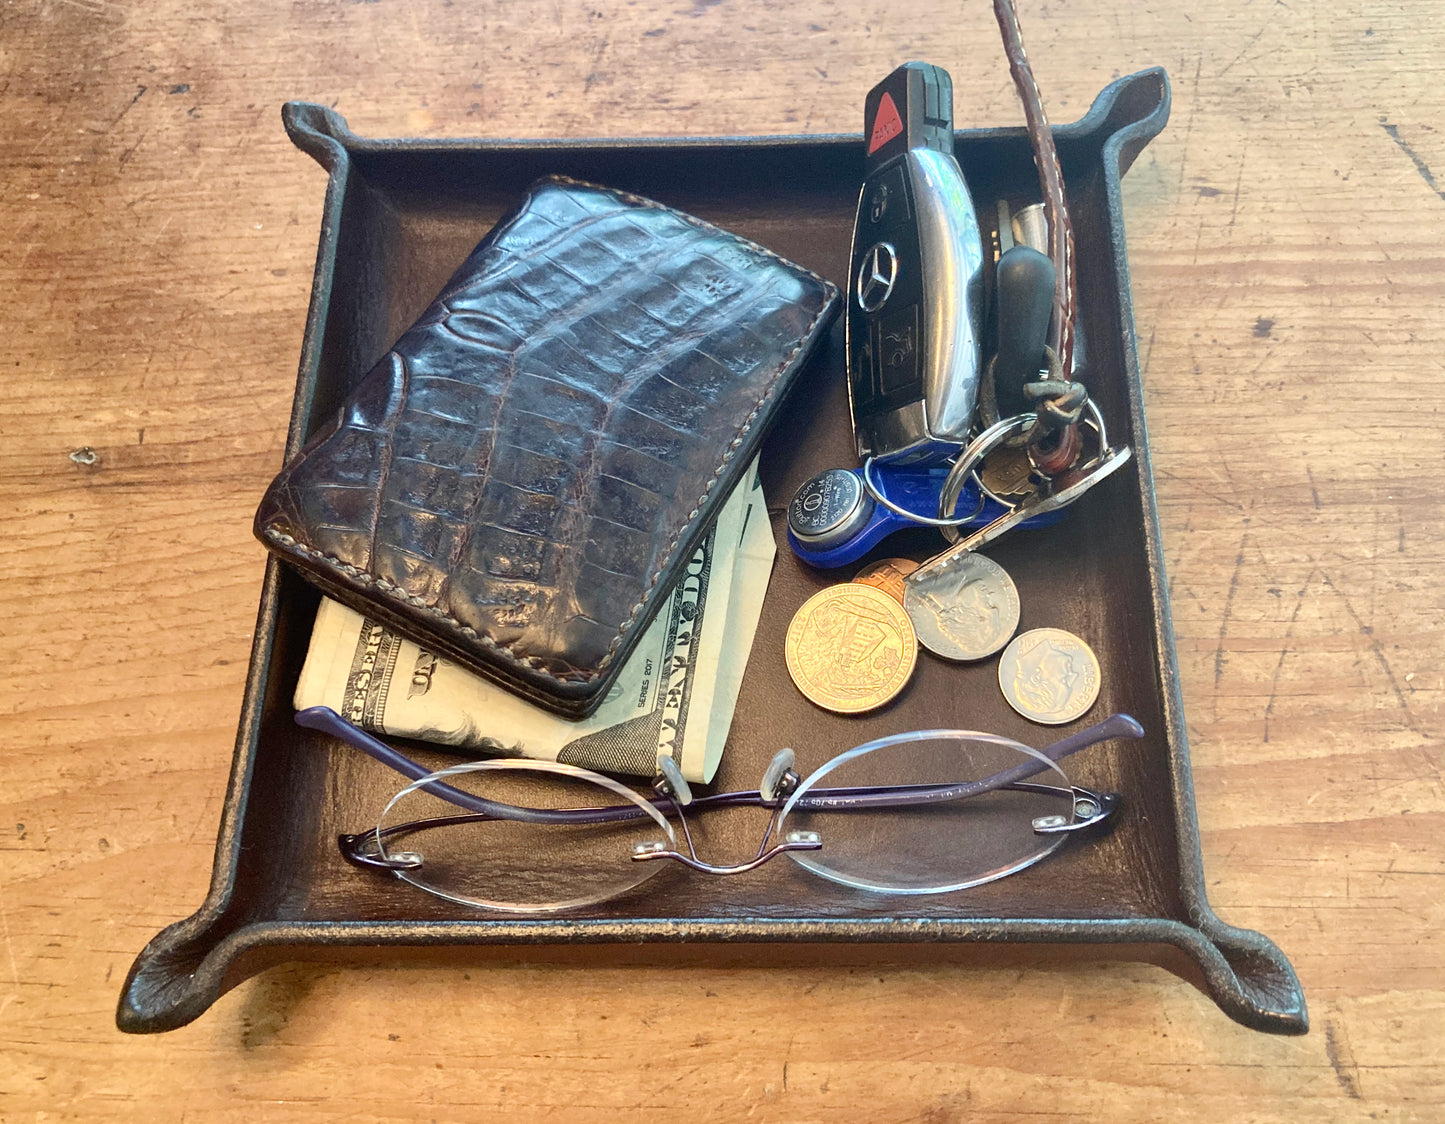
(965, 465)
(985, 443)
(996, 435)
(928, 521)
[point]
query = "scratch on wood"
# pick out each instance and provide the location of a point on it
(9, 944)
(1378, 650)
(597, 53)
(129, 152)
(94, 9)
(1342, 1061)
(139, 93)
(1189, 122)
(1238, 187)
(1253, 39)
(1148, 351)
(1284, 651)
(1219, 657)
(1420, 166)
(1203, 491)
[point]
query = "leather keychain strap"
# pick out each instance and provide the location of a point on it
(1061, 236)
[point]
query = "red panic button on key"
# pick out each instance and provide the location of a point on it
(886, 124)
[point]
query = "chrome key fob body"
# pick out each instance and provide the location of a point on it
(915, 300)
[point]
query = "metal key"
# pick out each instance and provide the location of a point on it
(1049, 493)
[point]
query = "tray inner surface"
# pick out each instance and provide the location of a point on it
(411, 216)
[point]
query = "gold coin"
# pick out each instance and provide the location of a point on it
(851, 648)
(887, 575)
(1049, 676)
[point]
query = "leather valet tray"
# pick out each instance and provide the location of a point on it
(399, 217)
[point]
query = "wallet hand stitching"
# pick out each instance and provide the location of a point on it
(536, 662)
(289, 543)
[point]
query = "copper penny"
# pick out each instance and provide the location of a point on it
(887, 575)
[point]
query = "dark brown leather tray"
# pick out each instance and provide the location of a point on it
(399, 217)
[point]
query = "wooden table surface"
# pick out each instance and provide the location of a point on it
(1285, 237)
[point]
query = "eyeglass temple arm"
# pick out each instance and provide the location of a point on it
(326, 720)
(1115, 726)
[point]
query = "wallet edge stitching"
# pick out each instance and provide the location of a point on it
(537, 663)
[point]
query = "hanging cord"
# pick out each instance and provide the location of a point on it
(1058, 400)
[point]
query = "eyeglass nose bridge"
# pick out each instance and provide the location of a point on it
(794, 841)
(778, 783)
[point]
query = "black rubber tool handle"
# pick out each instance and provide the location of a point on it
(1025, 294)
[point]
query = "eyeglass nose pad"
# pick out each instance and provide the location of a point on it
(777, 769)
(681, 792)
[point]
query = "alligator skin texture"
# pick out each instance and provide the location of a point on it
(517, 482)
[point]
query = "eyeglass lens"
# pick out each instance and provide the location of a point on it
(931, 846)
(518, 866)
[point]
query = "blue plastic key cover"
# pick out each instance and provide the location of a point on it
(833, 521)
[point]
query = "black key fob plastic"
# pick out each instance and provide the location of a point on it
(1024, 303)
(915, 299)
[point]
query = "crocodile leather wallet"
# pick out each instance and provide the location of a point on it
(520, 480)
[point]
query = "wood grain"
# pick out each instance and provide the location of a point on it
(1285, 235)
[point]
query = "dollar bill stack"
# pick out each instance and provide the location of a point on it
(675, 695)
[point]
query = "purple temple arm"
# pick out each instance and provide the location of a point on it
(328, 721)
(839, 799)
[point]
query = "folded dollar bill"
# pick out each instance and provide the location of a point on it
(675, 695)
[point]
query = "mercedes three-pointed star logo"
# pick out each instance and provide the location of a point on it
(876, 276)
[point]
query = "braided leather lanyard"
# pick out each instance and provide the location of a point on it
(1059, 402)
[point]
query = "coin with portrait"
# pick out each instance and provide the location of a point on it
(1049, 676)
(964, 608)
(850, 648)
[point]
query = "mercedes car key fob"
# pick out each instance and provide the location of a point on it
(915, 285)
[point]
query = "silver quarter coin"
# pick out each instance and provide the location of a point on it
(1049, 676)
(964, 609)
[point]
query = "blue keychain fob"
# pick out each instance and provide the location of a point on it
(833, 521)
